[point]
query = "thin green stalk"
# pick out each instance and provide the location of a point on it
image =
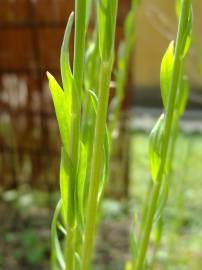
(78, 71)
(157, 240)
(105, 75)
(186, 5)
(106, 10)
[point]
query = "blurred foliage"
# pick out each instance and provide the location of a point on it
(26, 216)
(181, 245)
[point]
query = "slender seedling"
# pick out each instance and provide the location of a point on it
(107, 10)
(162, 133)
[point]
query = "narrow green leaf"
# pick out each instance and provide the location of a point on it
(188, 35)
(183, 95)
(106, 21)
(94, 100)
(163, 197)
(105, 167)
(81, 183)
(56, 251)
(155, 144)
(66, 188)
(64, 58)
(87, 138)
(186, 41)
(166, 72)
(62, 110)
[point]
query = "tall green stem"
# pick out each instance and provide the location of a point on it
(78, 71)
(167, 134)
(97, 159)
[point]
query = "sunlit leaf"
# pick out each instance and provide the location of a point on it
(166, 72)
(61, 109)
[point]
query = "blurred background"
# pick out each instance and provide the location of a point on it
(31, 33)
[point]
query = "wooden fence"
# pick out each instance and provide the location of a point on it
(31, 32)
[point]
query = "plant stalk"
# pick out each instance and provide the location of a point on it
(78, 71)
(178, 62)
(97, 160)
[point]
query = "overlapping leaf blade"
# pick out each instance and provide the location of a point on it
(62, 110)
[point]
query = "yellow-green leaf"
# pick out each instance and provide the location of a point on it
(62, 110)
(166, 72)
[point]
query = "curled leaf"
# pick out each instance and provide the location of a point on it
(56, 251)
(155, 145)
(64, 58)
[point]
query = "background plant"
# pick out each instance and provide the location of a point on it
(174, 95)
(123, 60)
